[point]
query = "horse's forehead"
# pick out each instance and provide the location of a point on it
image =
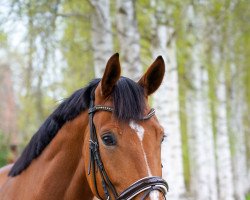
(138, 129)
(107, 121)
(142, 127)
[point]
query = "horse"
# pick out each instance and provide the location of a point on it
(103, 141)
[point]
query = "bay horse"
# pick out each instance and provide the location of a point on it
(102, 141)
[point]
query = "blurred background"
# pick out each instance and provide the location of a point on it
(48, 49)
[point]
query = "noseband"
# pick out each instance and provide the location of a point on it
(146, 185)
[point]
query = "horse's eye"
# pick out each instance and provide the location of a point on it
(109, 139)
(164, 136)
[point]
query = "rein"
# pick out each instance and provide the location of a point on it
(147, 184)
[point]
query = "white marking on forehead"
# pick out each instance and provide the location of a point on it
(138, 129)
(140, 133)
(154, 195)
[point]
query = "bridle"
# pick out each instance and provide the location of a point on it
(146, 185)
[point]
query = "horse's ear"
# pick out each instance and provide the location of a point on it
(152, 79)
(111, 75)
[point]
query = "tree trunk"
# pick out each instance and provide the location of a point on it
(236, 108)
(224, 165)
(236, 124)
(201, 140)
(166, 103)
(102, 40)
(129, 38)
(8, 108)
(222, 145)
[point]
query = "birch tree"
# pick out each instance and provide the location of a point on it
(239, 162)
(102, 39)
(8, 108)
(222, 146)
(201, 141)
(223, 155)
(166, 100)
(129, 38)
(236, 109)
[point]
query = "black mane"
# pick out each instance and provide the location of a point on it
(128, 103)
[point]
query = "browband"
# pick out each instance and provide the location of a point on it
(110, 109)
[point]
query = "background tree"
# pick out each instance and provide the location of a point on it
(129, 38)
(166, 100)
(102, 38)
(200, 131)
(204, 102)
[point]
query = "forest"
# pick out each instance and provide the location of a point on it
(49, 49)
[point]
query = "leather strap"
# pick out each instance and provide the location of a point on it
(149, 115)
(110, 109)
(145, 184)
(160, 189)
(95, 158)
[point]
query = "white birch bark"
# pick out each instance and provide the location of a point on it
(222, 146)
(129, 38)
(237, 107)
(166, 103)
(247, 143)
(102, 40)
(238, 136)
(224, 165)
(201, 141)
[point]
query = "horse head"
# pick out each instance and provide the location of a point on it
(122, 147)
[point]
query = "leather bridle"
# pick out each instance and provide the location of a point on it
(146, 185)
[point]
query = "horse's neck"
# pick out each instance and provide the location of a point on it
(59, 171)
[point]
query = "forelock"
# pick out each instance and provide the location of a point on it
(128, 100)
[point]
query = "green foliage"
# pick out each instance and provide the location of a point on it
(3, 39)
(76, 46)
(4, 149)
(184, 134)
(184, 84)
(144, 18)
